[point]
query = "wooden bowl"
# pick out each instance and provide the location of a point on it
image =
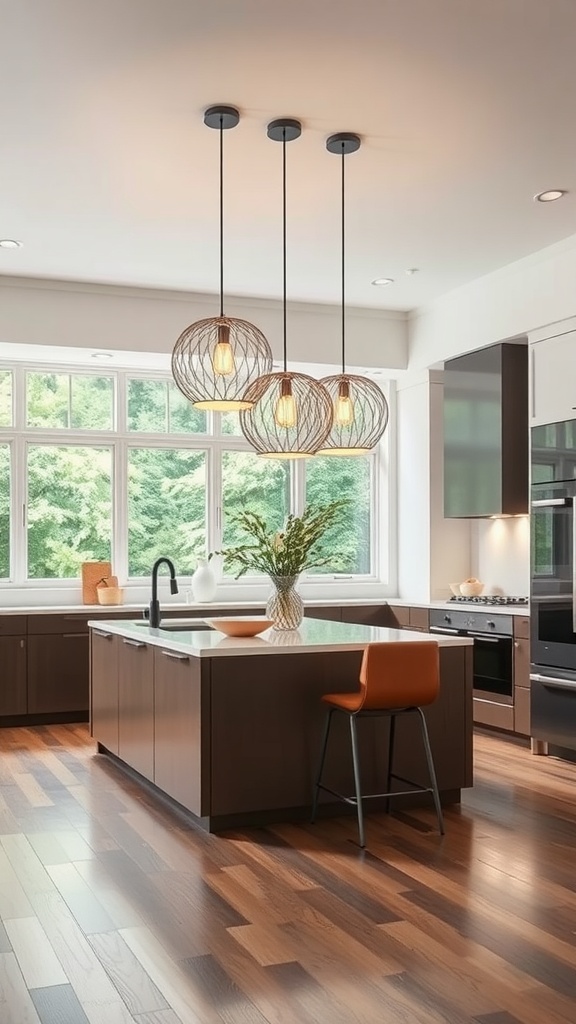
(240, 625)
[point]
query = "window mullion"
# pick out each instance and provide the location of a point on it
(215, 513)
(19, 509)
(120, 510)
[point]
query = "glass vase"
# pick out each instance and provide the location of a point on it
(285, 606)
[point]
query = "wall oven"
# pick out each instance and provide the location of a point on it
(553, 584)
(493, 656)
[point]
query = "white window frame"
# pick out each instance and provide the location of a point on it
(381, 578)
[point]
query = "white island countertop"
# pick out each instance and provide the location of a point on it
(313, 635)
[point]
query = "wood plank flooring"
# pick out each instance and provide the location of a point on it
(113, 910)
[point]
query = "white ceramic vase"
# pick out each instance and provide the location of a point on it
(203, 582)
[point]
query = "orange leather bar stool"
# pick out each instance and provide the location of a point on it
(395, 679)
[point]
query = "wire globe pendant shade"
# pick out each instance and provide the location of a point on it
(216, 359)
(291, 413)
(360, 410)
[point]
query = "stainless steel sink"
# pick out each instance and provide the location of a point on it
(185, 626)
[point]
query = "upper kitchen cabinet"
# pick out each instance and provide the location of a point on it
(486, 433)
(553, 379)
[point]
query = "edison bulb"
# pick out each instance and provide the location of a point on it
(344, 411)
(223, 357)
(285, 411)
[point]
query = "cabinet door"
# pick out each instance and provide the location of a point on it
(398, 616)
(104, 689)
(553, 367)
(58, 673)
(330, 612)
(365, 615)
(136, 706)
(178, 728)
(419, 619)
(13, 685)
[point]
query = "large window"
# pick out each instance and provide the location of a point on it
(80, 402)
(350, 543)
(69, 509)
(119, 466)
(166, 507)
(249, 482)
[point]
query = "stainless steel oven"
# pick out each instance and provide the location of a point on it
(493, 649)
(553, 584)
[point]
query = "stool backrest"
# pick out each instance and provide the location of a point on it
(400, 675)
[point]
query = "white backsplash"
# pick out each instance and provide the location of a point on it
(500, 551)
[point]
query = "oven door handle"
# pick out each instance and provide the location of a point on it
(443, 629)
(552, 503)
(490, 638)
(554, 683)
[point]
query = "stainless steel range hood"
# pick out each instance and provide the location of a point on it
(486, 433)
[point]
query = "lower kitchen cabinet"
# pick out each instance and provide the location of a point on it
(13, 688)
(136, 705)
(177, 728)
(365, 615)
(57, 673)
(104, 676)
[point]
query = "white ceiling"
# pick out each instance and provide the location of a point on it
(107, 172)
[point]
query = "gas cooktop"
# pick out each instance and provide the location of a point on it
(490, 599)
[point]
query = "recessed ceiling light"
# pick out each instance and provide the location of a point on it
(102, 355)
(383, 280)
(10, 243)
(550, 195)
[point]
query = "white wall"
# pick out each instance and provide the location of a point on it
(513, 301)
(501, 555)
(67, 313)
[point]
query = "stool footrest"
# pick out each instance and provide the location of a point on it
(375, 796)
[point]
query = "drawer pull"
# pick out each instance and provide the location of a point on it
(100, 632)
(68, 636)
(177, 657)
(133, 643)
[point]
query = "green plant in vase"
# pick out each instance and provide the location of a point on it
(284, 554)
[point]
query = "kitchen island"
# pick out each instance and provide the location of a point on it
(230, 729)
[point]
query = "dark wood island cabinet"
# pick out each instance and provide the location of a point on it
(230, 729)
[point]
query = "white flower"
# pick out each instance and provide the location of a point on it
(278, 541)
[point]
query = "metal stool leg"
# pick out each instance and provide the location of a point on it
(390, 758)
(356, 763)
(321, 765)
(431, 770)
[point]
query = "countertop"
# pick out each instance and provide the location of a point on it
(80, 609)
(313, 635)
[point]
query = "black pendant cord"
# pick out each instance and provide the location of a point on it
(343, 267)
(221, 216)
(284, 323)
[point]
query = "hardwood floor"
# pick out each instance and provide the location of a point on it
(114, 911)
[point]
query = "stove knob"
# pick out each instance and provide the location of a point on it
(493, 624)
(447, 618)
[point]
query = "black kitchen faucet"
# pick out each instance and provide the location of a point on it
(154, 613)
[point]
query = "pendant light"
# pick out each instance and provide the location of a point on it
(359, 406)
(214, 360)
(291, 414)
